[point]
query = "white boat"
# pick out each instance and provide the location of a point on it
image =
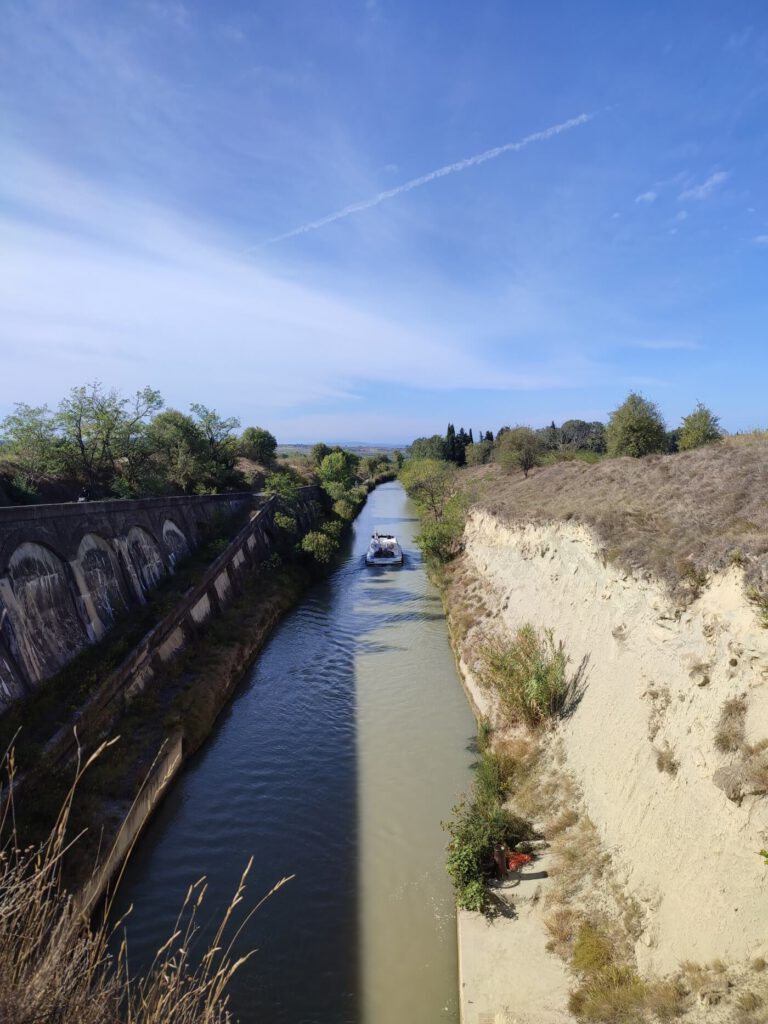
(384, 550)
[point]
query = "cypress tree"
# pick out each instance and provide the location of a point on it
(450, 443)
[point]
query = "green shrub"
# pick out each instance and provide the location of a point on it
(345, 508)
(333, 528)
(286, 485)
(475, 829)
(636, 428)
(699, 428)
(319, 545)
(440, 539)
(285, 522)
(528, 674)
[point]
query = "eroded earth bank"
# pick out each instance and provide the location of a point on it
(650, 794)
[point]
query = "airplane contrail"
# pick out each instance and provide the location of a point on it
(441, 172)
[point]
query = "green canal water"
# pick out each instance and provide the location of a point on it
(342, 752)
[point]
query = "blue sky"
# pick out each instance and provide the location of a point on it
(153, 150)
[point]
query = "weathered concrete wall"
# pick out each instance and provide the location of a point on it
(219, 584)
(67, 571)
(143, 807)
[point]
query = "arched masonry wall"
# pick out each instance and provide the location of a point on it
(67, 571)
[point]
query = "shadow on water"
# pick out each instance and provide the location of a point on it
(278, 779)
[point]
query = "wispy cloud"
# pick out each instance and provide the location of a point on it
(88, 274)
(441, 172)
(705, 190)
(666, 344)
(761, 239)
(646, 197)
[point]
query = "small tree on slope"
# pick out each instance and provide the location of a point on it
(698, 428)
(636, 428)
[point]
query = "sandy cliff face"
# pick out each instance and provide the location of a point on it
(656, 682)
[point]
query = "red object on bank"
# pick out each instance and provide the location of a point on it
(516, 860)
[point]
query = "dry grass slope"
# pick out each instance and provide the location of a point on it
(679, 516)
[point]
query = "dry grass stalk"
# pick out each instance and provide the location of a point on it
(730, 733)
(56, 966)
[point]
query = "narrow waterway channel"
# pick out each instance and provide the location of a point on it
(337, 760)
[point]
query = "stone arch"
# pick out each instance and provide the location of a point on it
(175, 541)
(145, 557)
(38, 595)
(100, 584)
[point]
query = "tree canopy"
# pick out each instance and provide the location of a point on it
(519, 447)
(636, 428)
(698, 428)
(257, 444)
(120, 446)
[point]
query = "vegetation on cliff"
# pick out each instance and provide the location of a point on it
(635, 428)
(442, 508)
(680, 516)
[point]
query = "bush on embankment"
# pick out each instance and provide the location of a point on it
(528, 674)
(431, 483)
(480, 823)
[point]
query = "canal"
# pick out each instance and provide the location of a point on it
(342, 751)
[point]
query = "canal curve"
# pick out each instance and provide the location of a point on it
(344, 748)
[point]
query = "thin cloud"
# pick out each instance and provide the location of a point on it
(705, 190)
(761, 239)
(441, 172)
(646, 197)
(666, 345)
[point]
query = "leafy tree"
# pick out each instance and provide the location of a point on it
(441, 538)
(318, 452)
(698, 428)
(258, 444)
(28, 438)
(428, 447)
(597, 441)
(219, 434)
(101, 431)
(488, 436)
(480, 453)
(673, 440)
(430, 482)
(398, 459)
(135, 449)
(371, 465)
(519, 447)
(551, 437)
(337, 472)
(635, 428)
(180, 458)
(286, 485)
